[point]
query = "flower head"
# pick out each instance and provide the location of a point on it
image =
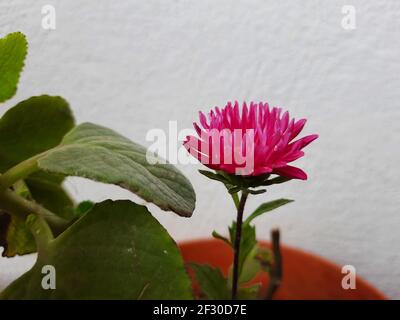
(254, 141)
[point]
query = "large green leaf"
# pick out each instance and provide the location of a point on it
(31, 127)
(13, 49)
(116, 251)
(98, 153)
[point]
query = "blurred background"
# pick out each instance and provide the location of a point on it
(135, 65)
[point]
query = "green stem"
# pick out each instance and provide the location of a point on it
(22, 189)
(41, 232)
(238, 237)
(14, 204)
(18, 172)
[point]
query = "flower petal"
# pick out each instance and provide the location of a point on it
(291, 172)
(305, 141)
(298, 126)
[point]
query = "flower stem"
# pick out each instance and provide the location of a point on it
(238, 237)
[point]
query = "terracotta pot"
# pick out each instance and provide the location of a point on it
(305, 276)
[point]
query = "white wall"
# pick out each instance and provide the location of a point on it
(134, 65)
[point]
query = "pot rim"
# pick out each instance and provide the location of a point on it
(324, 261)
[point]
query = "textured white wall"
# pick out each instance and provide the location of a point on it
(134, 65)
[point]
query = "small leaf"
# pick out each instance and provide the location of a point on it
(213, 176)
(211, 281)
(15, 236)
(235, 199)
(83, 207)
(259, 259)
(260, 191)
(247, 243)
(100, 154)
(250, 267)
(115, 251)
(277, 180)
(234, 190)
(243, 182)
(216, 235)
(13, 49)
(250, 292)
(266, 207)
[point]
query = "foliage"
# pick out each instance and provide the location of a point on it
(109, 250)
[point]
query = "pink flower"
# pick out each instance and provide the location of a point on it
(260, 135)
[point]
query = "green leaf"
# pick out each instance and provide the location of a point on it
(259, 191)
(116, 251)
(243, 182)
(32, 127)
(213, 176)
(266, 207)
(100, 154)
(235, 199)
(15, 236)
(249, 293)
(13, 49)
(83, 207)
(216, 235)
(259, 259)
(211, 281)
(247, 243)
(233, 190)
(251, 266)
(277, 180)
